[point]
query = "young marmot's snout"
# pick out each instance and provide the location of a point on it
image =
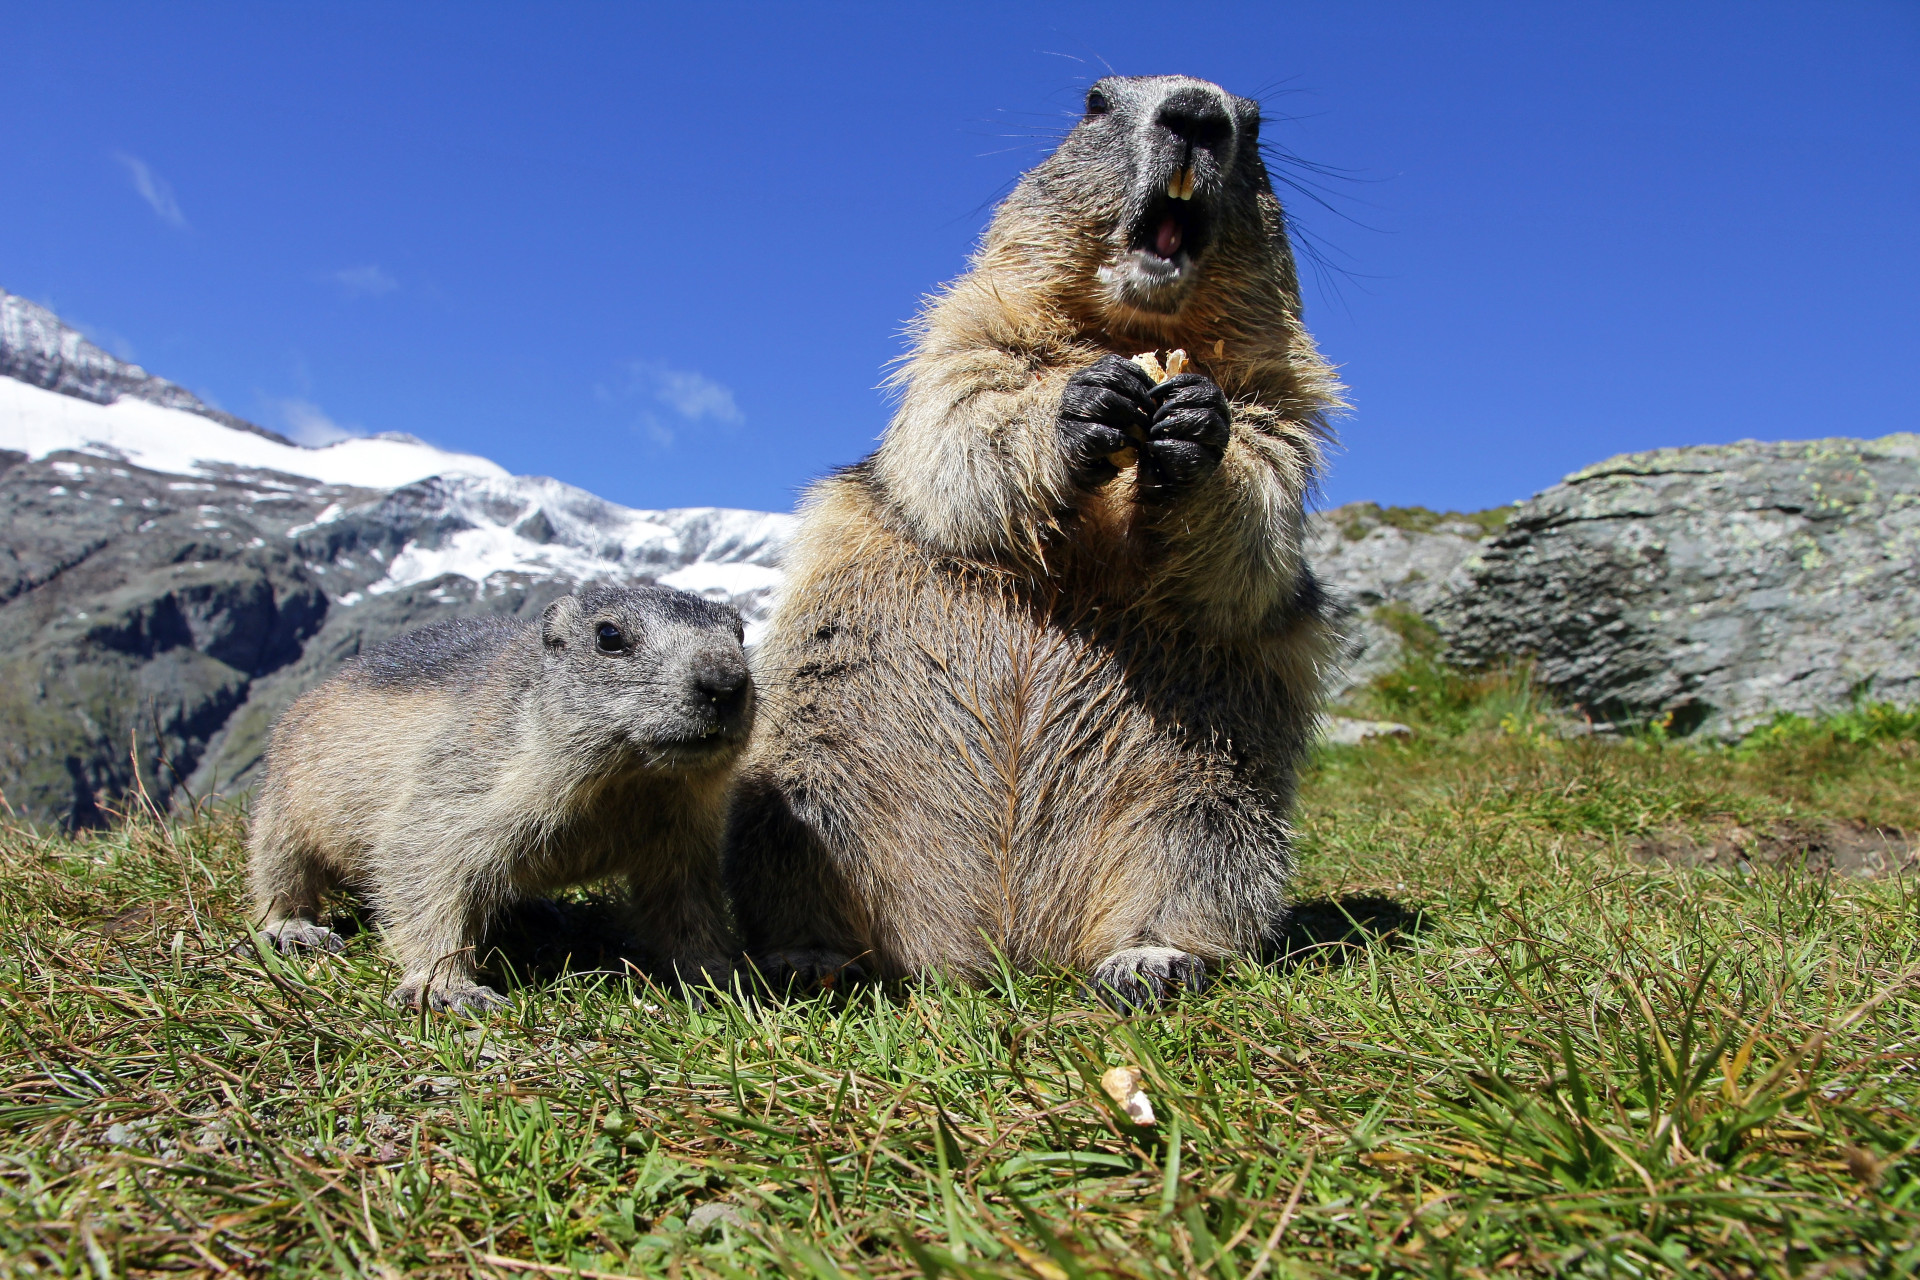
(464, 766)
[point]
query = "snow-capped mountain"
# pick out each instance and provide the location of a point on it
(173, 576)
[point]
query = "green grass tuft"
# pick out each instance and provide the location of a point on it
(1864, 723)
(1356, 519)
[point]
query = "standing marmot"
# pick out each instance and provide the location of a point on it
(1022, 693)
(461, 767)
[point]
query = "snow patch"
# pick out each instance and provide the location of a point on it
(39, 422)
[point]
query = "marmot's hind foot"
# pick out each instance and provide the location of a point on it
(1145, 977)
(804, 970)
(303, 935)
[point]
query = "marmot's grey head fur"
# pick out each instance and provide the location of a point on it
(1156, 214)
(643, 674)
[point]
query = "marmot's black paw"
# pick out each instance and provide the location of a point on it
(1141, 978)
(1188, 436)
(1104, 409)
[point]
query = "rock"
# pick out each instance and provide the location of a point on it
(1708, 588)
(1341, 731)
(1374, 560)
(711, 1216)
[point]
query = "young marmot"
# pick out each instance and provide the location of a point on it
(461, 767)
(1047, 660)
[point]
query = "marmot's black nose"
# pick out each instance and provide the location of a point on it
(1196, 117)
(724, 687)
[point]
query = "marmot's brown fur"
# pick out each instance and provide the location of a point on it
(462, 767)
(1023, 694)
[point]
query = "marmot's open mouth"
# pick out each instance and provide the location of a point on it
(1172, 224)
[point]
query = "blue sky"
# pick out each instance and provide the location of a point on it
(666, 252)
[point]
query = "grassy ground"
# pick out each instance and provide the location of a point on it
(1502, 1042)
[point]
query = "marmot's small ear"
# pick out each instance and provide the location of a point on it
(562, 616)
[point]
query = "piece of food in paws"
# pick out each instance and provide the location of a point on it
(1175, 363)
(1159, 370)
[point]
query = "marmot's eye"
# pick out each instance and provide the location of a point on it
(611, 641)
(1097, 103)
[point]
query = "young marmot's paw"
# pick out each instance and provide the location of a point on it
(1188, 436)
(303, 935)
(452, 997)
(1105, 410)
(1143, 977)
(697, 977)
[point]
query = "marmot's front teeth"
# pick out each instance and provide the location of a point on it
(1180, 186)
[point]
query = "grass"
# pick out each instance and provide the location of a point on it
(1357, 519)
(1499, 1044)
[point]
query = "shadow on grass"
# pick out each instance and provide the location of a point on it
(539, 942)
(545, 940)
(1328, 930)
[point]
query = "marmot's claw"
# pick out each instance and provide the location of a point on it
(1144, 977)
(1188, 436)
(1101, 408)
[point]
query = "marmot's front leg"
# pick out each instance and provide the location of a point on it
(1187, 437)
(433, 927)
(679, 916)
(287, 882)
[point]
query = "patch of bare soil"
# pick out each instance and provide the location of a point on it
(1824, 848)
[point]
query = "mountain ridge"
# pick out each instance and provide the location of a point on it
(42, 350)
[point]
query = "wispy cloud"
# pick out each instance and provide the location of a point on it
(364, 282)
(305, 422)
(154, 189)
(673, 400)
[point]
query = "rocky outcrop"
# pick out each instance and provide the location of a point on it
(1375, 561)
(1708, 587)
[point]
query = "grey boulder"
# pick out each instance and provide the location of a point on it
(1708, 587)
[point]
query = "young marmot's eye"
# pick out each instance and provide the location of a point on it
(1097, 103)
(611, 641)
